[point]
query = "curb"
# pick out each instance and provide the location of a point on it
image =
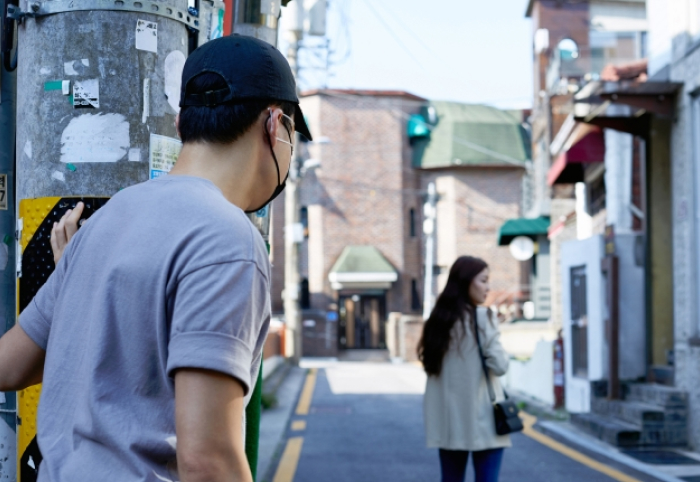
(577, 439)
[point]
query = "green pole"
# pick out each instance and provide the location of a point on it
(252, 430)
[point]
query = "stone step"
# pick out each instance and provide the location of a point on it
(614, 432)
(636, 413)
(659, 395)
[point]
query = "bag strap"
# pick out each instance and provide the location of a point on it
(492, 394)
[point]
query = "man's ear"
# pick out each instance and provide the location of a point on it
(177, 124)
(273, 117)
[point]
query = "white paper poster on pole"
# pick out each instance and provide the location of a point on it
(163, 153)
(86, 94)
(147, 36)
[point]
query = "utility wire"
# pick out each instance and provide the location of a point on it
(413, 35)
(391, 32)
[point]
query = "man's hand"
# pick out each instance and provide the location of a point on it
(63, 231)
(208, 424)
(21, 361)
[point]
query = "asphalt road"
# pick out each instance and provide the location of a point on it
(365, 423)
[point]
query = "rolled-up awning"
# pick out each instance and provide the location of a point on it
(362, 267)
(531, 227)
(585, 145)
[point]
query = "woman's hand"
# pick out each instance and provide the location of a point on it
(63, 231)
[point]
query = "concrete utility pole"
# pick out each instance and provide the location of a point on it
(259, 19)
(430, 213)
(8, 308)
(99, 91)
(292, 313)
(307, 17)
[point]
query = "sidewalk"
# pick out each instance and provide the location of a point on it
(668, 465)
(285, 383)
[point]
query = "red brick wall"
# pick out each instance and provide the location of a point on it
(473, 205)
(563, 20)
(366, 186)
(273, 343)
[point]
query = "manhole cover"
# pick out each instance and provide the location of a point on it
(661, 457)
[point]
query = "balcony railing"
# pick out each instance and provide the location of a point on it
(570, 68)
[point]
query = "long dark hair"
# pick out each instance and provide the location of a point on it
(452, 304)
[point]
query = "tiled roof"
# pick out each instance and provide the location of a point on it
(473, 135)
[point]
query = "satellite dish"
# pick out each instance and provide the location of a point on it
(522, 248)
(568, 50)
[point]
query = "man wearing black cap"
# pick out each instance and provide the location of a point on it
(148, 336)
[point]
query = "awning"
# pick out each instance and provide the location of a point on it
(362, 267)
(625, 106)
(522, 227)
(585, 145)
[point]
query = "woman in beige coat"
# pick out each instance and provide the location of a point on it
(458, 409)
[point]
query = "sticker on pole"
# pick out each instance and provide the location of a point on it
(163, 155)
(86, 94)
(217, 25)
(147, 36)
(3, 192)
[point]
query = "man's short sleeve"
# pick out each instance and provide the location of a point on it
(218, 313)
(37, 316)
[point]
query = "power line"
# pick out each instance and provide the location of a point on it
(413, 35)
(391, 32)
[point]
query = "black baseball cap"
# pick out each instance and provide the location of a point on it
(252, 69)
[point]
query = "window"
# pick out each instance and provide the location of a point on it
(579, 321)
(412, 222)
(415, 296)
(596, 195)
(304, 220)
(305, 296)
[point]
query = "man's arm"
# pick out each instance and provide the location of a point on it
(21, 361)
(208, 419)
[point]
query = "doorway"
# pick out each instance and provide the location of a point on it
(361, 318)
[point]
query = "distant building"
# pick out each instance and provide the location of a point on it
(477, 156)
(362, 209)
(603, 144)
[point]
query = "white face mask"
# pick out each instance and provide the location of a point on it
(280, 185)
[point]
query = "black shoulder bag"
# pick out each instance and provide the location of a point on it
(505, 413)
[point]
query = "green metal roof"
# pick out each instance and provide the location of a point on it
(362, 259)
(467, 134)
(522, 227)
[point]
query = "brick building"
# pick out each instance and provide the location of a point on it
(362, 256)
(476, 155)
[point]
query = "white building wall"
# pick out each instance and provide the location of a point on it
(618, 180)
(534, 377)
(620, 16)
(685, 155)
(588, 252)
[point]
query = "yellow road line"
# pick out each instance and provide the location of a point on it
(529, 422)
(307, 393)
(290, 458)
(298, 425)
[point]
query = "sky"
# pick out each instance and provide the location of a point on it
(472, 51)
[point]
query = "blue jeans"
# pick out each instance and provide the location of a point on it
(487, 464)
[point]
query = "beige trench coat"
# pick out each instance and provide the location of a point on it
(457, 408)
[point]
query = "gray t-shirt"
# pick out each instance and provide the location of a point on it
(167, 275)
